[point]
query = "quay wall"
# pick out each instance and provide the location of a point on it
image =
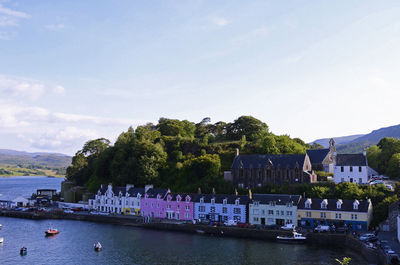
(318, 239)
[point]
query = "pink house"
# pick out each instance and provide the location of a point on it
(153, 204)
(179, 206)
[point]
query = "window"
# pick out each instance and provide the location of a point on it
(152, 205)
(255, 211)
(308, 214)
(236, 210)
(282, 212)
(308, 204)
(289, 213)
(262, 212)
(187, 216)
(277, 212)
(202, 208)
(255, 203)
(351, 169)
(255, 219)
(224, 210)
(360, 180)
(177, 207)
(352, 216)
(341, 169)
(236, 218)
(355, 216)
(270, 212)
(359, 169)
(158, 205)
(338, 216)
(323, 215)
(355, 205)
(212, 201)
(168, 206)
(323, 205)
(237, 202)
(224, 201)
(212, 209)
(289, 221)
(187, 207)
(201, 200)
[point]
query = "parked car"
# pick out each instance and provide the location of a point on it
(322, 228)
(104, 213)
(243, 225)
(230, 223)
(68, 211)
(288, 227)
(389, 187)
(368, 237)
(94, 213)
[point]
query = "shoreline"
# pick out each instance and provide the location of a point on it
(320, 239)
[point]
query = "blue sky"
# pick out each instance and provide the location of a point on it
(76, 70)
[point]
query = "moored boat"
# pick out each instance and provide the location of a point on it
(98, 246)
(295, 238)
(1, 226)
(51, 232)
(1, 240)
(23, 251)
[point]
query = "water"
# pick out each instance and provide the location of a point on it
(130, 245)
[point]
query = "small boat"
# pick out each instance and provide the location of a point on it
(296, 237)
(97, 247)
(23, 251)
(1, 226)
(1, 240)
(51, 232)
(200, 231)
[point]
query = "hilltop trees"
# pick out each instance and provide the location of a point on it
(181, 155)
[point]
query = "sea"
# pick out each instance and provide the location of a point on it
(132, 245)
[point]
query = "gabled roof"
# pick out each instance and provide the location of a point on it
(261, 161)
(183, 196)
(152, 193)
(317, 155)
(219, 198)
(134, 191)
(351, 160)
(346, 206)
(279, 199)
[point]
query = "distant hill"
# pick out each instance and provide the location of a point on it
(26, 159)
(338, 140)
(359, 143)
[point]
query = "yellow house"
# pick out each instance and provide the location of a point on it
(353, 214)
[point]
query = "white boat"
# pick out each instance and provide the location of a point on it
(296, 237)
(98, 246)
(1, 240)
(1, 226)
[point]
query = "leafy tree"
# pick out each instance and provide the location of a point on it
(373, 154)
(249, 126)
(393, 169)
(344, 261)
(170, 127)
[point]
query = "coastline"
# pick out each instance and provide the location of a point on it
(316, 239)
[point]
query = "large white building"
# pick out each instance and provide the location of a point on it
(352, 168)
(273, 209)
(121, 200)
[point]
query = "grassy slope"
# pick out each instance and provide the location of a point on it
(15, 171)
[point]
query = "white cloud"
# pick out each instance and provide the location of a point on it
(13, 13)
(25, 88)
(7, 35)
(8, 21)
(54, 27)
(220, 21)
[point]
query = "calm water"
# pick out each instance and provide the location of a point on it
(127, 245)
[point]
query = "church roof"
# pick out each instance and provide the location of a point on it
(257, 161)
(351, 160)
(317, 155)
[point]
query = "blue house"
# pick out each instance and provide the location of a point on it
(221, 208)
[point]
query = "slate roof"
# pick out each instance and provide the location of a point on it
(116, 190)
(260, 161)
(183, 196)
(347, 205)
(317, 155)
(219, 198)
(279, 199)
(351, 160)
(153, 192)
(134, 191)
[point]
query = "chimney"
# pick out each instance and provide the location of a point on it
(250, 194)
(364, 153)
(199, 191)
(236, 192)
(237, 152)
(129, 186)
(213, 191)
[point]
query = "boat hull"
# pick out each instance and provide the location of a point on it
(291, 240)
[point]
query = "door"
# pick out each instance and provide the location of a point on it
(263, 221)
(351, 180)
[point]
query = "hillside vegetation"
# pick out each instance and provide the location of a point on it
(181, 155)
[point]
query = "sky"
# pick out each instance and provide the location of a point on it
(71, 71)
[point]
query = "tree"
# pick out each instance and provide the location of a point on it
(249, 126)
(344, 261)
(393, 169)
(95, 147)
(171, 127)
(373, 154)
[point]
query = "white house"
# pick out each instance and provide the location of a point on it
(351, 168)
(273, 209)
(121, 200)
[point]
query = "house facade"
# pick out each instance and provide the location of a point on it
(220, 208)
(153, 203)
(351, 168)
(120, 200)
(323, 159)
(249, 171)
(179, 206)
(273, 209)
(356, 215)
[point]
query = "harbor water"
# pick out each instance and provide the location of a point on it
(131, 245)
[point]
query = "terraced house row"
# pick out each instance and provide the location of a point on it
(257, 209)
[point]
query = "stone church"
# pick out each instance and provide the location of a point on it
(323, 159)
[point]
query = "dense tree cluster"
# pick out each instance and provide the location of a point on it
(181, 155)
(385, 157)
